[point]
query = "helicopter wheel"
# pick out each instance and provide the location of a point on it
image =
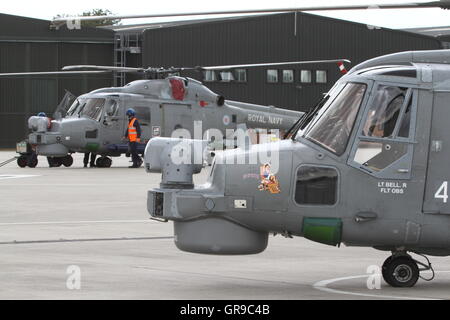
(400, 272)
(33, 162)
(22, 161)
(103, 162)
(99, 162)
(107, 162)
(54, 162)
(67, 161)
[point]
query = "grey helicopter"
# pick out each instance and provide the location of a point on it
(108, 146)
(95, 122)
(368, 166)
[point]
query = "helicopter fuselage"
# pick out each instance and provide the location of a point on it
(96, 122)
(367, 168)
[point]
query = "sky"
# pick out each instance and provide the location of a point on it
(395, 19)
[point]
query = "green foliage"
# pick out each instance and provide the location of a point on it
(96, 23)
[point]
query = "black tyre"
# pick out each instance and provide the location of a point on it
(107, 162)
(22, 161)
(99, 162)
(67, 161)
(32, 163)
(385, 265)
(401, 272)
(57, 162)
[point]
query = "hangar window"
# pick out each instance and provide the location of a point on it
(272, 76)
(288, 76)
(226, 76)
(316, 185)
(240, 75)
(305, 76)
(209, 75)
(321, 76)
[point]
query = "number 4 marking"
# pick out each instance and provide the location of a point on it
(442, 192)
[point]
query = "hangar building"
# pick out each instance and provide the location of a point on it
(30, 45)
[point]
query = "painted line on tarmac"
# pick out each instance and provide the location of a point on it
(72, 222)
(83, 240)
(16, 176)
(323, 286)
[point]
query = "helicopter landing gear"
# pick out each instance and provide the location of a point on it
(33, 162)
(67, 161)
(54, 162)
(402, 271)
(103, 162)
(22, 161)
(29, 160)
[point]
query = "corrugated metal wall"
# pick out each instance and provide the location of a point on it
(26, 96)
(29, 45)
(274, 38)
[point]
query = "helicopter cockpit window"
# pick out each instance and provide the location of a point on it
(334, 127)
(111, 108)
(405, 124)
(385, 139)
(93, 108)
(384, 111)
(73, 108)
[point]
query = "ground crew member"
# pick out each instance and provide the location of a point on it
(50, 160)
(86, 159)
(133, 135)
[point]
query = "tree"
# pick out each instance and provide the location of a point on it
(94, 23)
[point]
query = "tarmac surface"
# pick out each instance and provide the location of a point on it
(95, 219)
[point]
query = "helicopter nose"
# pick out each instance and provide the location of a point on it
(39, 124)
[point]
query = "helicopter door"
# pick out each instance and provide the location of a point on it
(438, 172)
(384, 182)
(112, 128)
(143, 115)
(176, 116)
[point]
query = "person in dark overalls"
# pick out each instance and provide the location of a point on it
(86, 159)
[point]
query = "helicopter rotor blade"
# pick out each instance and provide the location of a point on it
(254, 65)
(21, 74)
(443, 4)
(79, 69)
(104, 68)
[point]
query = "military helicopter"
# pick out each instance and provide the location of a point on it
(368, 166)
(108, 146)
(164, 102)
